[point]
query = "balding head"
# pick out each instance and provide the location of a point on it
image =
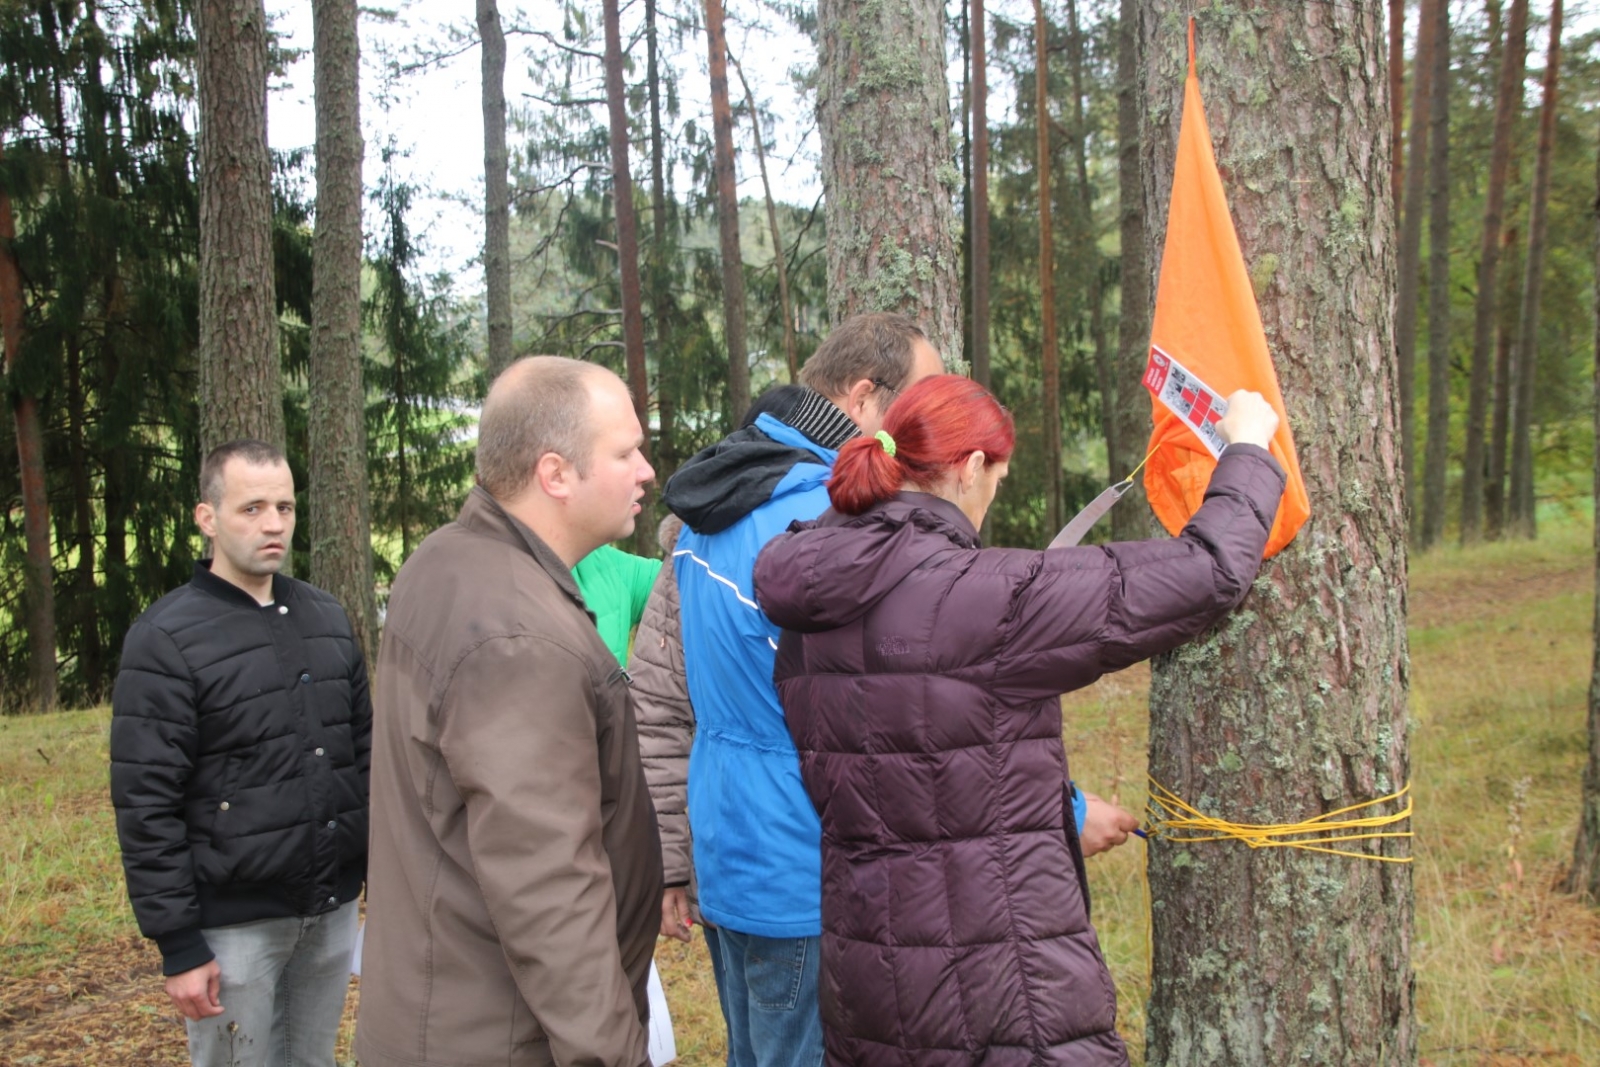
(537, 405)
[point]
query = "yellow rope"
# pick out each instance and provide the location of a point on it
(1168, 817)
(1142, 462)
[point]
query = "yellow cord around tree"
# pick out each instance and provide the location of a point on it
(1171, 819)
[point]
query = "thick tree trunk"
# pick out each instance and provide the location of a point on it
(1584, 877)
(883, 112)
(341, 531)
(1296, 706)
(496, 191)
(779, 257)
(1130, 519)
(38, 574)
(1051, 354)
(733, 317)
(627, 232)
(1410, 266)
(980, 271)
(1526, 362)
(1508, 103)
(241, 385)
(1437, 456)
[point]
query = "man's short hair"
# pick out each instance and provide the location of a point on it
(543, 408)
(875, 345)
(254, 452)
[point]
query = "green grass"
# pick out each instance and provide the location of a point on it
(1508, 968)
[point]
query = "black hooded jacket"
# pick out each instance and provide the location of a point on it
(241, 736)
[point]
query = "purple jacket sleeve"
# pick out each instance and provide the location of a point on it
(1092, 610)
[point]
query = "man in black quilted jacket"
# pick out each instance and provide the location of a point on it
(240, 743)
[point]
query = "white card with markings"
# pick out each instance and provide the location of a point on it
(1187, 397)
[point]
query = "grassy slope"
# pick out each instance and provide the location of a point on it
(1508, 969)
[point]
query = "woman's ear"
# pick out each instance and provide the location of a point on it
(971, 468)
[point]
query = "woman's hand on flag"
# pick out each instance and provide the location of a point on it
(1250, 420)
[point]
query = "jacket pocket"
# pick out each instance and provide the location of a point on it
(1075, 846)
(221, 824)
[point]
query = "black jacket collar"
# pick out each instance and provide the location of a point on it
(226, 591)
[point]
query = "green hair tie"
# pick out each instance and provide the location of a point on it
(886, 441)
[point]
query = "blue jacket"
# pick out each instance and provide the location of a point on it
(757, 839)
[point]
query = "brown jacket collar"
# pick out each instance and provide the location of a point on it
(482, 514)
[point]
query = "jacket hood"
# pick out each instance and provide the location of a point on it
(722, 484)
(826, 574)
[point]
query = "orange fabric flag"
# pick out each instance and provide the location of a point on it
(1206, 340)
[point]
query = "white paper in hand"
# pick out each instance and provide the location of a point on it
(355, 953)
(663, 1046)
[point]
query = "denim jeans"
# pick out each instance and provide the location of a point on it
(283, 989)
(769, 994)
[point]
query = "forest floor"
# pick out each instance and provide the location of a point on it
(1508, 967)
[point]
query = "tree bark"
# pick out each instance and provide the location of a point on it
(662, 309)
(1524, 519)
(733, 312)
(341, 525)
(883, 113)
(1410, 267)
(980, 197)
(38, 573)
(1397, 98)
(1088, 247)
(779, 259)
(1508, 102)
(1051, 352)
(1296, 705)
(627, 231)
(1584, 877)
(496, 191)
(1130, 519)
(1507, 306)
(241, 386)
(1437, 457)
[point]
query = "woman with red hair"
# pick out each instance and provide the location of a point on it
(921, 678)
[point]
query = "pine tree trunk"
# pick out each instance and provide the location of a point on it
(1584, 877)
(1410, 266)
(496, 191)
(733, 311)
(662, 311)
(1524, 521)
(1437, 455)
(341, 531)
(1051, 354)
(1508, 103)
(1397, 99)
(38, 574)
(779, 256)
(627, 236)
(980, 270)
(1510, 268)
(241, 386)
(883, 113)
(1130, 519)
(1088, 247)
(1296, 705)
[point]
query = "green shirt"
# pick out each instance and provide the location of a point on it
(615, 584)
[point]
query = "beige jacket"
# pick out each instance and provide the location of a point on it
(515, 870)
(665, 716)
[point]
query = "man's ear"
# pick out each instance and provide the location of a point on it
(205, 517)
(856, 399)
(554, 476)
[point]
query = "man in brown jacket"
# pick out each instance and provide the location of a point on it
(515, 870)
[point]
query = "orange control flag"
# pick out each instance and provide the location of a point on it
(1206, 340)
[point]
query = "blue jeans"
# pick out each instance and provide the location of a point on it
(283, 989)
(768, 987)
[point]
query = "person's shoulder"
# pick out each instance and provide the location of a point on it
(174, 612)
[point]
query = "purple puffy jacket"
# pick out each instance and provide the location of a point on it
(921, 678)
